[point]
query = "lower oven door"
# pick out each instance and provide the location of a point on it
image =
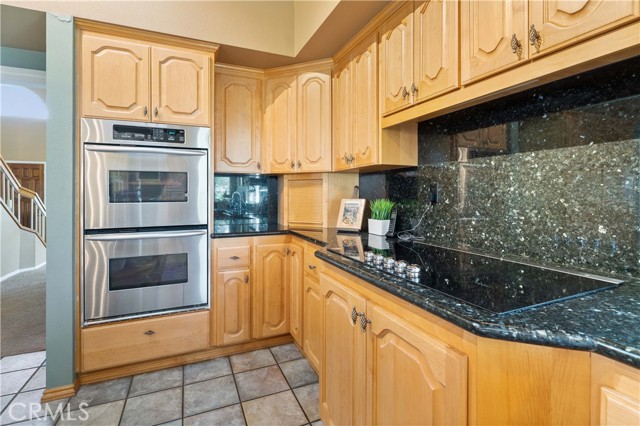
(132, 275)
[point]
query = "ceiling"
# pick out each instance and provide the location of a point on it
(260, 34)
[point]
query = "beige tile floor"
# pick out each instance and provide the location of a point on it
(274, 386)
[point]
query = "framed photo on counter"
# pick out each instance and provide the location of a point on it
(350, 214)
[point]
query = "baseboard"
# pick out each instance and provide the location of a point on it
(177, 360)
(60, 392)
(11, 274)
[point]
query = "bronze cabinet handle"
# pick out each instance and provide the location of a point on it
(149, 332)
(155, 111)
(404, 93)
(258, 165)
(534, 37)
(292, 164)
(312, 267)
(516, 46)
(414, 89)
(234, 258)
(354, 315)
(246, 279)
(299, 164)
(146, 110)
(363, 322)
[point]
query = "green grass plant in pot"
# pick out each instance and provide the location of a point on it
(380, 214)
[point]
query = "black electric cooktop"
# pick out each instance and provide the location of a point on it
(499, 286)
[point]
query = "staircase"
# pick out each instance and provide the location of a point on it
(23, 224)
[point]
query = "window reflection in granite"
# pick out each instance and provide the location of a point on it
(245, 199)
(550, 174)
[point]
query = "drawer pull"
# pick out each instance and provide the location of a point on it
(149, 332)
(312, 267)
(246, 279)
(234, 258)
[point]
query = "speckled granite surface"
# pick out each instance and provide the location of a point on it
(605, 322)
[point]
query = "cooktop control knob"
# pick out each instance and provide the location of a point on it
(389, 262)
(377, 259)
(413, 271)
(400, 266)
(368, 256)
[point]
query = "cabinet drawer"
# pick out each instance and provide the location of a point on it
(234, 257)
(311, 262)
(140, 340)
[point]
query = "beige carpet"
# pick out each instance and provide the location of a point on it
(22, 313)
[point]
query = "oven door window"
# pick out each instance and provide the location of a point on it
(127, 273)
(127, 186)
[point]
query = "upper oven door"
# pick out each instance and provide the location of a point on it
(134, 187)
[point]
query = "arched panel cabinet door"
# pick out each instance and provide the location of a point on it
(280, 124)
(115, 77)
(233, 307)
(271, 290)
(314, 122)
(180, 86)
(493, 37)
(554, 24)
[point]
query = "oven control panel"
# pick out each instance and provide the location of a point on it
(147, 134)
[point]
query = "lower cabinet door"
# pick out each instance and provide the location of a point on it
(415, 378)
(312, 322)
(233, 307)
(342, 369)
(271, 290)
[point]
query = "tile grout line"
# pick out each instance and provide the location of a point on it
(291, 390)
(235, 383)
(126, 399)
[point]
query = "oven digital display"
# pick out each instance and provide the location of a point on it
(128, 273)
(147, 134)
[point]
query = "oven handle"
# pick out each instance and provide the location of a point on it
(144, 235)
(145, 150)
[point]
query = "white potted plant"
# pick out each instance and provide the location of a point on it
(380, 214)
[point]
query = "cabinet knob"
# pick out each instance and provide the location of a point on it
(246, 279)
(287, 251)
(146, 111)
(299, 164)
(292, 164)
(312, 267)
(258, 165)
(363, 322)
(534, 37)
(234, 258)
(354, 315)
(404, 93)
(149, 332)
(414, 89)
(345, 158)
(516, 46)
(351, 158)
(155, 111)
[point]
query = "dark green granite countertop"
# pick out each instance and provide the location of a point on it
(605, 322)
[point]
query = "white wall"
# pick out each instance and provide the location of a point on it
(23, 139)
(19, 249)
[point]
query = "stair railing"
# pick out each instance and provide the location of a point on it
(23, 205)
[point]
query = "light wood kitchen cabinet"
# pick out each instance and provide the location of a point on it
(355, 109)
(143, 81)
(615, 393)
(115, 77)
(313, 148)
(238, 120)
(296, 286)
(554, 24)
(233, 307)
(433, 388)
(280, 124)
(494, 36)
(312, 334)
(379, 369)
(343, 362)
(312, 200)
(122, 343)
(297, 127)
(419, 53)
(232, 282)
(271, 292)
(396, 59)
(180, 86)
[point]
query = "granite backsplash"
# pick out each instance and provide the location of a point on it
(550, 174)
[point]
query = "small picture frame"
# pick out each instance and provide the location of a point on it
(350, 214)
(350, 246)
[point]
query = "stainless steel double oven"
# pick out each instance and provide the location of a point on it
(146, 219)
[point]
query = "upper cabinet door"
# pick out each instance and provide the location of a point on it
(238, 117)
(396, 59)
(436, 50)
(565, 22)
(365, 104)
(280, 124)
(493, 36)
(180, 86)
(314, 122)
(342, 130)
(115, 78)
